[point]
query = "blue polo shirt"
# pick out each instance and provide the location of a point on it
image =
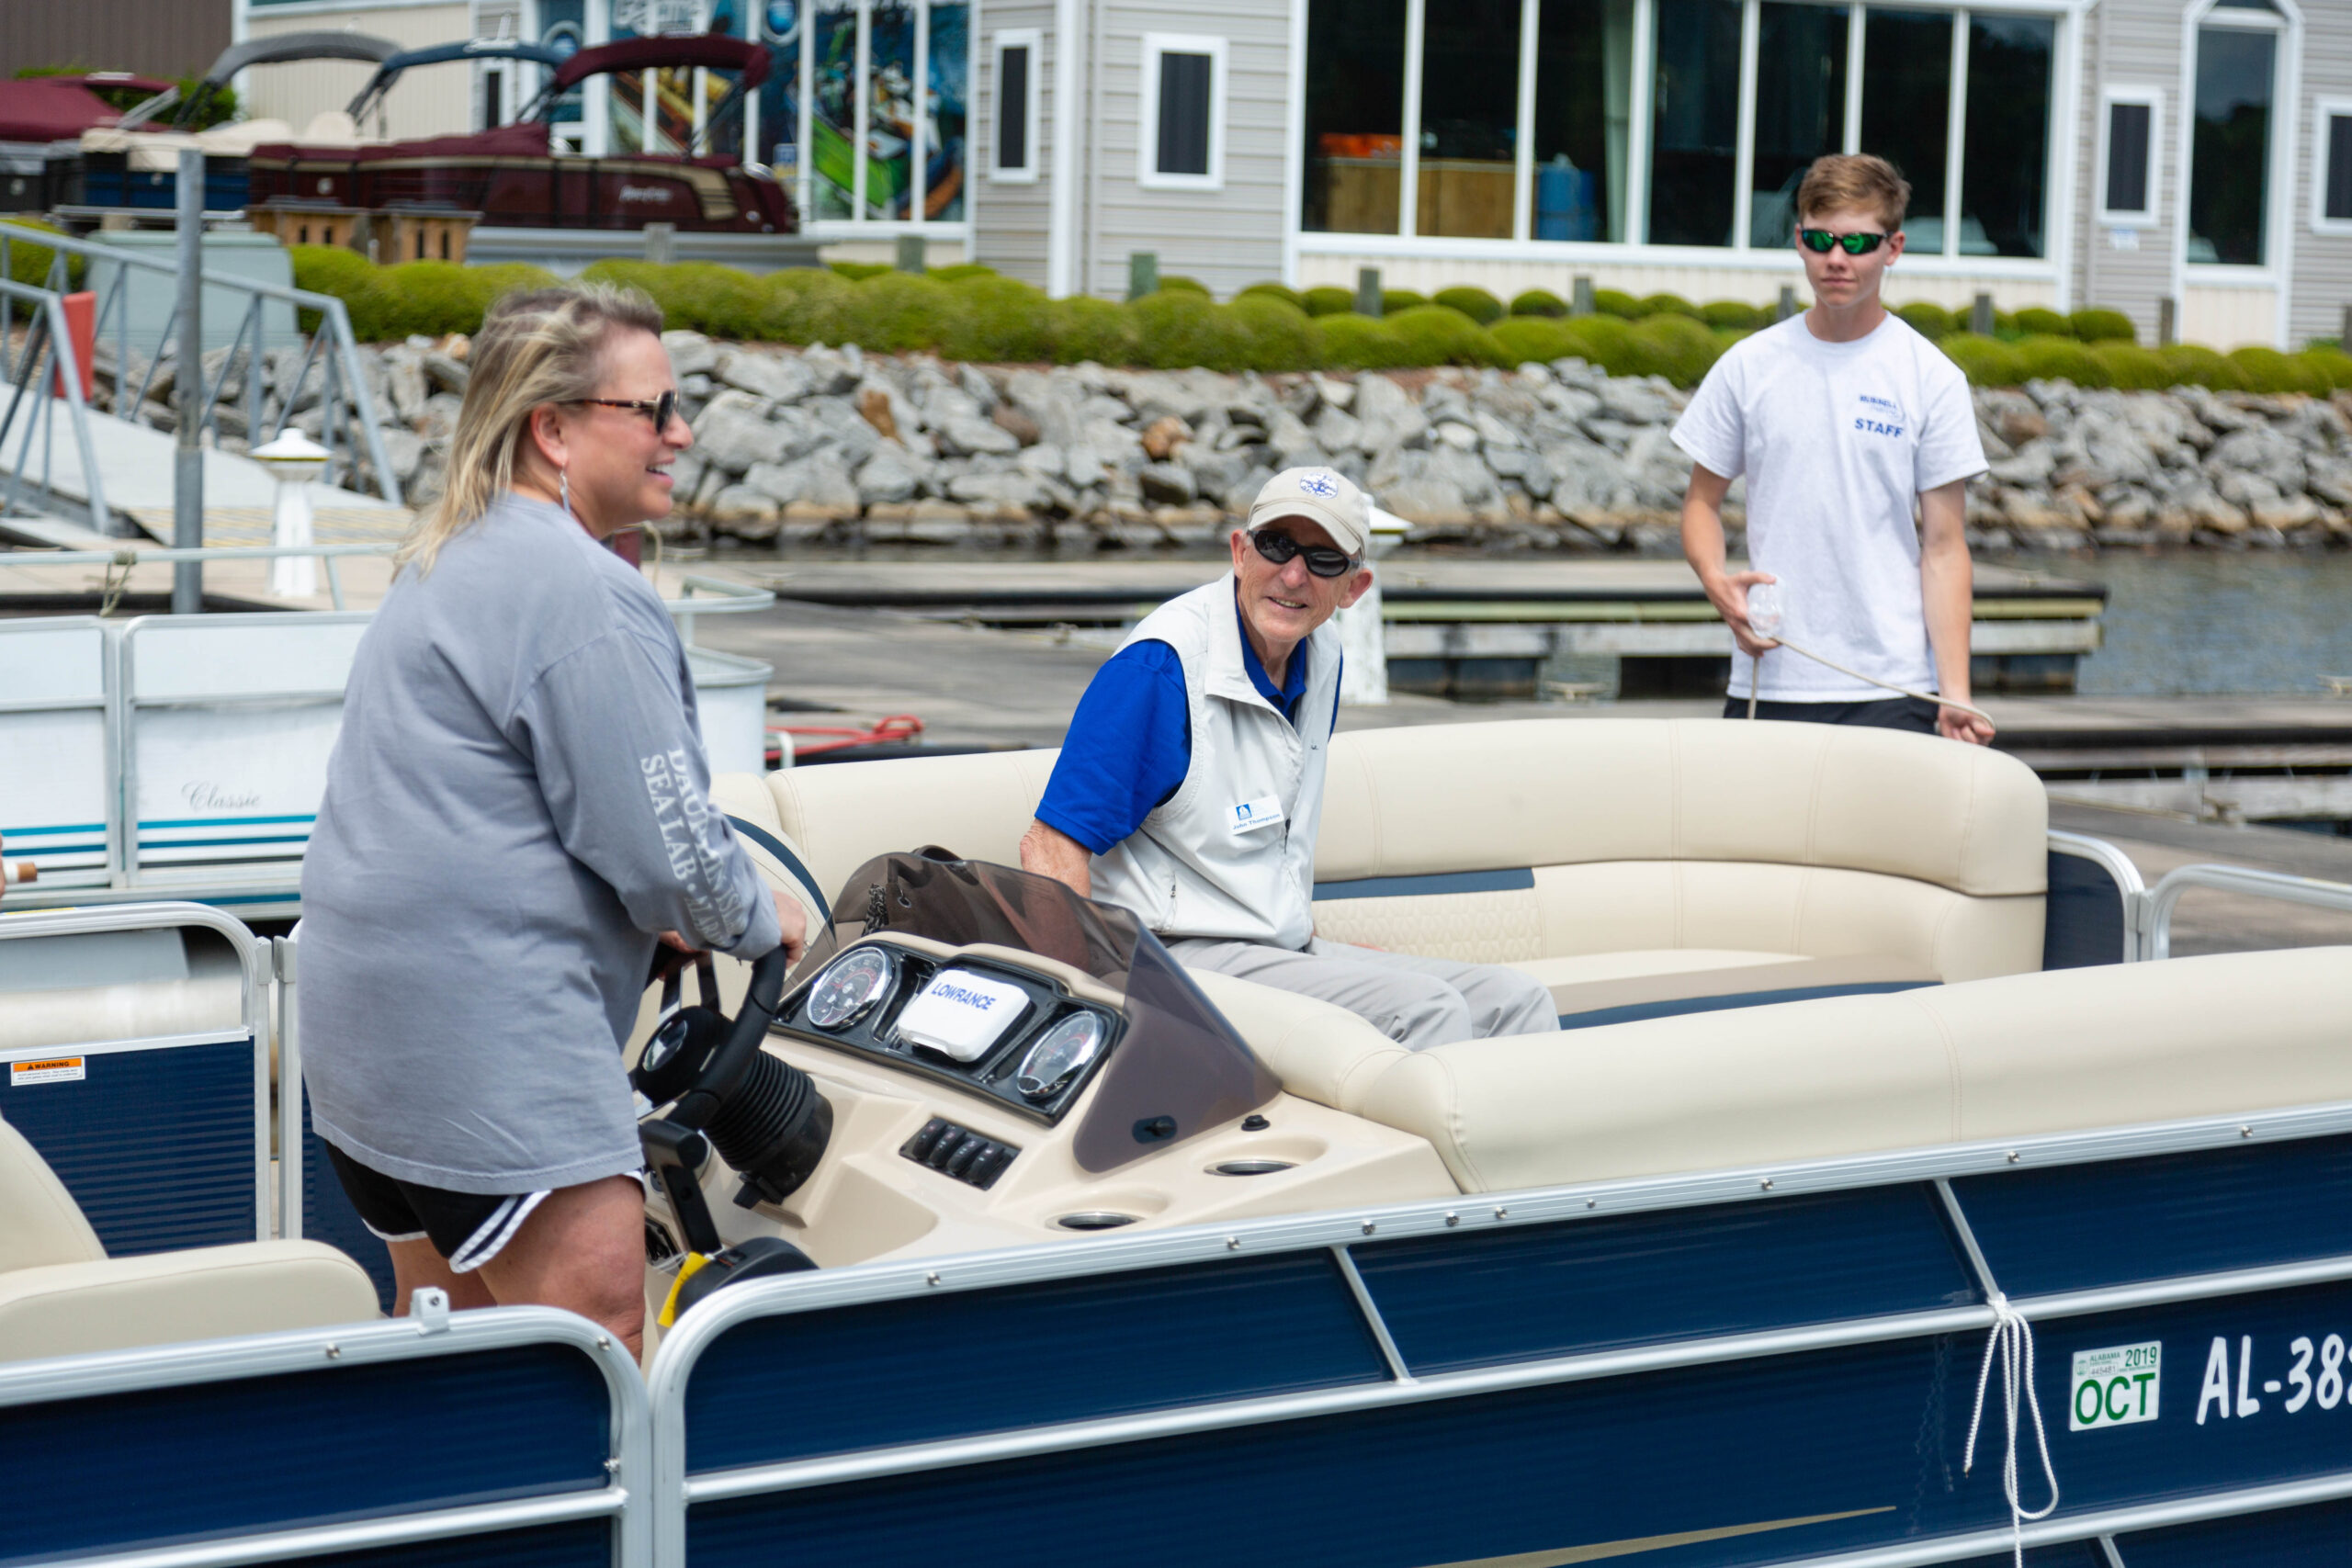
(1130, 743)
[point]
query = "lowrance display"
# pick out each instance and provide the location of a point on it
(961, 1014)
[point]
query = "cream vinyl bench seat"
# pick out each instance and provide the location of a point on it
(1636, 866)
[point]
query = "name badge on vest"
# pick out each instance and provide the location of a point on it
(1251, 815)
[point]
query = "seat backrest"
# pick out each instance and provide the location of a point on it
(1533, 839)
(40, 1222)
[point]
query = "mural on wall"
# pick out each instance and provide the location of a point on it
(832, 118)
(780, 95)
(898, 35)
(946, 106)
(563, 25)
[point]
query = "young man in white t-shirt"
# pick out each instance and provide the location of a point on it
(1847, 424)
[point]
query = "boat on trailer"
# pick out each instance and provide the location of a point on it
(1889, 1197)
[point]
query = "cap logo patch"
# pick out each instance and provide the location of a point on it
(1318, 484)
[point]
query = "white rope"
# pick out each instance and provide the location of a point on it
(1889, 685)
(2012, 1341)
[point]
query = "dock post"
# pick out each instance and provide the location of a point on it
(1368, 291)
(1980, 315)
(1787, 304)
(1580, 297)
(2343, 332)
(2168, 321)
(662, 244)
(1143, 274)
(188, 380)
(911, 257)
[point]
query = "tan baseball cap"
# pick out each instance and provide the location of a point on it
(1322, 496)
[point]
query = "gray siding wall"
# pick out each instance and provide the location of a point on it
(2142, 46)
(2321, 284)
(156, 38)
(1010, 222)
(1228, 238)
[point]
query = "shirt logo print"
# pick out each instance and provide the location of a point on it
(1883, 417)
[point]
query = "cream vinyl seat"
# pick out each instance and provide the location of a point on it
(62, 1295)
(1634, 865)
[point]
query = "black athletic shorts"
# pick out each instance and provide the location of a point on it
(465, 1228)
(1894, 713)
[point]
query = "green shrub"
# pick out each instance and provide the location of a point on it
(2005, 326)
(1000, 319)
(961, 272)
(2131, 367)
(804, 304)
(1177, 282)
(1616, 302)
(2044, 357)
(1357, 341)
(2331, 363)
(2035, 321)
(1176, 330)
(1290, 297)
(1987, 361)
(1604, 341)
(858, 272)
(1476, 303)
(28, 261)
(1927, 319)
(700, 297)
(895, 313)
(2103, 326)
(346, 275)
(1736, 315)
(1671, 345)
(1395, 299)
(1434, 334)
(1538, 302)
(1669, 305)
(1536, 337)
(2194, 364)
(1329, 301)
(1086, 329)
(2268, 370)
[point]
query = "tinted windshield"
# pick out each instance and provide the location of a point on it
(1178, 1069)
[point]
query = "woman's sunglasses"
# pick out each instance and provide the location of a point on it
(1321, 560)
(1820, 241)
(660, 410)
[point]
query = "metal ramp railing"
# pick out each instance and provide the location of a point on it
(347, 415)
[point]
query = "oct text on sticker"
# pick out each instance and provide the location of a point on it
(2115, 1386)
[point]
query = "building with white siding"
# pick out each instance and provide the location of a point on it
(2181, 159)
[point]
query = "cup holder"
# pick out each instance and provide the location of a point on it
(1250, 1167)
(1094, 1220)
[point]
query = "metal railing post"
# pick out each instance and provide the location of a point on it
(187, 456)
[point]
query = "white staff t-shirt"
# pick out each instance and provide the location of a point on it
(1837, 440)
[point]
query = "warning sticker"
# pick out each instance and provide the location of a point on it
(56, 1069)
(2115, 1386)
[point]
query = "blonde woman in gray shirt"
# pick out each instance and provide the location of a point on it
(516, 811)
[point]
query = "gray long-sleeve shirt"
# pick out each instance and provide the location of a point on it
(518, 800)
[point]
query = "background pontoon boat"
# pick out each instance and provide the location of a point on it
(1893, 1201)
(511, 175)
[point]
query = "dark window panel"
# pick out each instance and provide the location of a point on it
(2004, 147)
(2130, 130)
(1184, 113)
(2229, 164)
(1584, 85)
(1906, 110)
(1013, 109)
(1800, 111)
(1694, 144)
(1356, 116)
(2339, 167)
(1469, 118)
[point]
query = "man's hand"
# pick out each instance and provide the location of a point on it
(1049, 851)
(1728, 593)
(790, 919)
(1954, 725)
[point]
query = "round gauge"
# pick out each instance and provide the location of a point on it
(1059, 1057)
(850, 984)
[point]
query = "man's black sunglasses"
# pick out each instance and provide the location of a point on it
(1321, 560)
(1819, 241)
(660, 410)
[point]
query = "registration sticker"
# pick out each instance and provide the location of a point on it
(2115, 1387)
(51, 1069)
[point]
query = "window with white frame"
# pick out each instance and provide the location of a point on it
(2130, 123)
(1675, 122)
(882, 106)
(2237, 61)
(2332, 166)
(1013, 152)
(1179, 137)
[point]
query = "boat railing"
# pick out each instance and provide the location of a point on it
(348, 426)
(2156, 905)
(46, 350)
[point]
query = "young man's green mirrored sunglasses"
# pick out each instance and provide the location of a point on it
(1818, 240)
